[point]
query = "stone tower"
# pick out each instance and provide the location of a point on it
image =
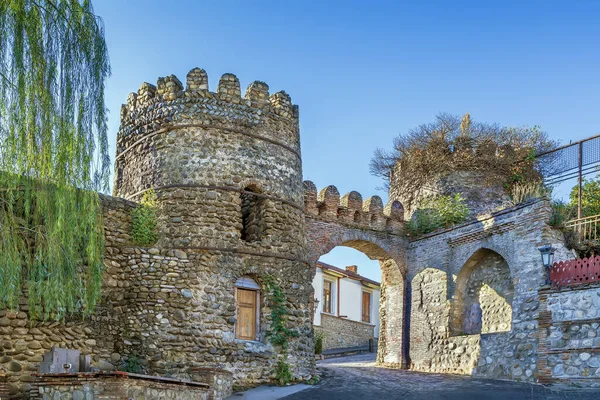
(227, 173)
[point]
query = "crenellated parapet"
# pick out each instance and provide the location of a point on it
(351, 209)
(180, 133)
(169, 103)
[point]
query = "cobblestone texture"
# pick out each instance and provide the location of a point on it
(358, 378)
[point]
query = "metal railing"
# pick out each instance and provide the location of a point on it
(586, 228)
(574, 160)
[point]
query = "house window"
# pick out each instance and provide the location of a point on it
(252, 210)
(247, 295)
(327, 301)
(366, 307)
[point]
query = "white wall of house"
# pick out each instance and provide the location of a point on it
(318, 286)
(350, 298)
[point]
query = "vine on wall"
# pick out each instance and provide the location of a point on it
(279, 334)
(144, 220)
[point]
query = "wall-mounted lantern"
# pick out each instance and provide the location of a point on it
(316, 304)
(547, 259)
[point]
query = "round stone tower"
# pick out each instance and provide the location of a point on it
(227, 173)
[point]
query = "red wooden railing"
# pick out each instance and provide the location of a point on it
(575, 272)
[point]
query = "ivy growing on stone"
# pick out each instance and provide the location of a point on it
(279, 334)
(144, 220)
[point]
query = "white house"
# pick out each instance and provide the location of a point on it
(346, 307)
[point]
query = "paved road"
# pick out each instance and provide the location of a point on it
(357, 378)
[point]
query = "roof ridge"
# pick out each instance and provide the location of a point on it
(348, 274)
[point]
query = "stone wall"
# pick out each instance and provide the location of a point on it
(114, 386)
(23, 341)
(341, 332)
(171, 309)
(436, 272)
(483, 296)
(228, 178)
(377, 231)
(392, 347)
(569, 335)
(481, 194)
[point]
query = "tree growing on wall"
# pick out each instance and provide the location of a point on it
(53, 155)
(452, 143)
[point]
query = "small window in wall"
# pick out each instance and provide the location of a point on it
(366, 307)
(247, 295)
(252, 206)
(327, 301)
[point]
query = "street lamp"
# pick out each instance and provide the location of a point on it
(547, 259)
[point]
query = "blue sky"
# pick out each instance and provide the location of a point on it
(363, 72)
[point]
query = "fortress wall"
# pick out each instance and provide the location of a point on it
(24, 341)
(438, 287)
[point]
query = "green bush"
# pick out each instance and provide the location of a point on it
(283, 375)
(561, 213)
(133, 364)
(144, 220)
(319, 336)
(438, 212)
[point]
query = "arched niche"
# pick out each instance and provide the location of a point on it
(482, 301)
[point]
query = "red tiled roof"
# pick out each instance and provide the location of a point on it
(349, 274)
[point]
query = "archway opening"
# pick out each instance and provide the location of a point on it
(359, 302)
(482, 301)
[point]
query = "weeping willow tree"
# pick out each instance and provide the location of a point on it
(53, 155)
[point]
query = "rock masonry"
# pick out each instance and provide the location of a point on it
(206, 155)
(227, 173)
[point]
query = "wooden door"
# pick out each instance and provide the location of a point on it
(246, 318)
(366, 307)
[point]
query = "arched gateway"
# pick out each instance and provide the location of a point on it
(374, 230)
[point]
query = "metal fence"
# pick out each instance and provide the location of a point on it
(574, 160)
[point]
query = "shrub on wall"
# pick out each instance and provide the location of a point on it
(319, 337)
(438, 212)
(143, 226)
(430, 151)
(279, 334)
(561, 213)
(522, 191)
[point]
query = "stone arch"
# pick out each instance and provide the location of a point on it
(483, 296)
(388, 250)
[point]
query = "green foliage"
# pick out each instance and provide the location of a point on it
(144, 220)
(132, 364)
(279, 333)
(590, 197)
(53, 155)
(438, 212)
(561, 213)
(283, 375)
(319, 337)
